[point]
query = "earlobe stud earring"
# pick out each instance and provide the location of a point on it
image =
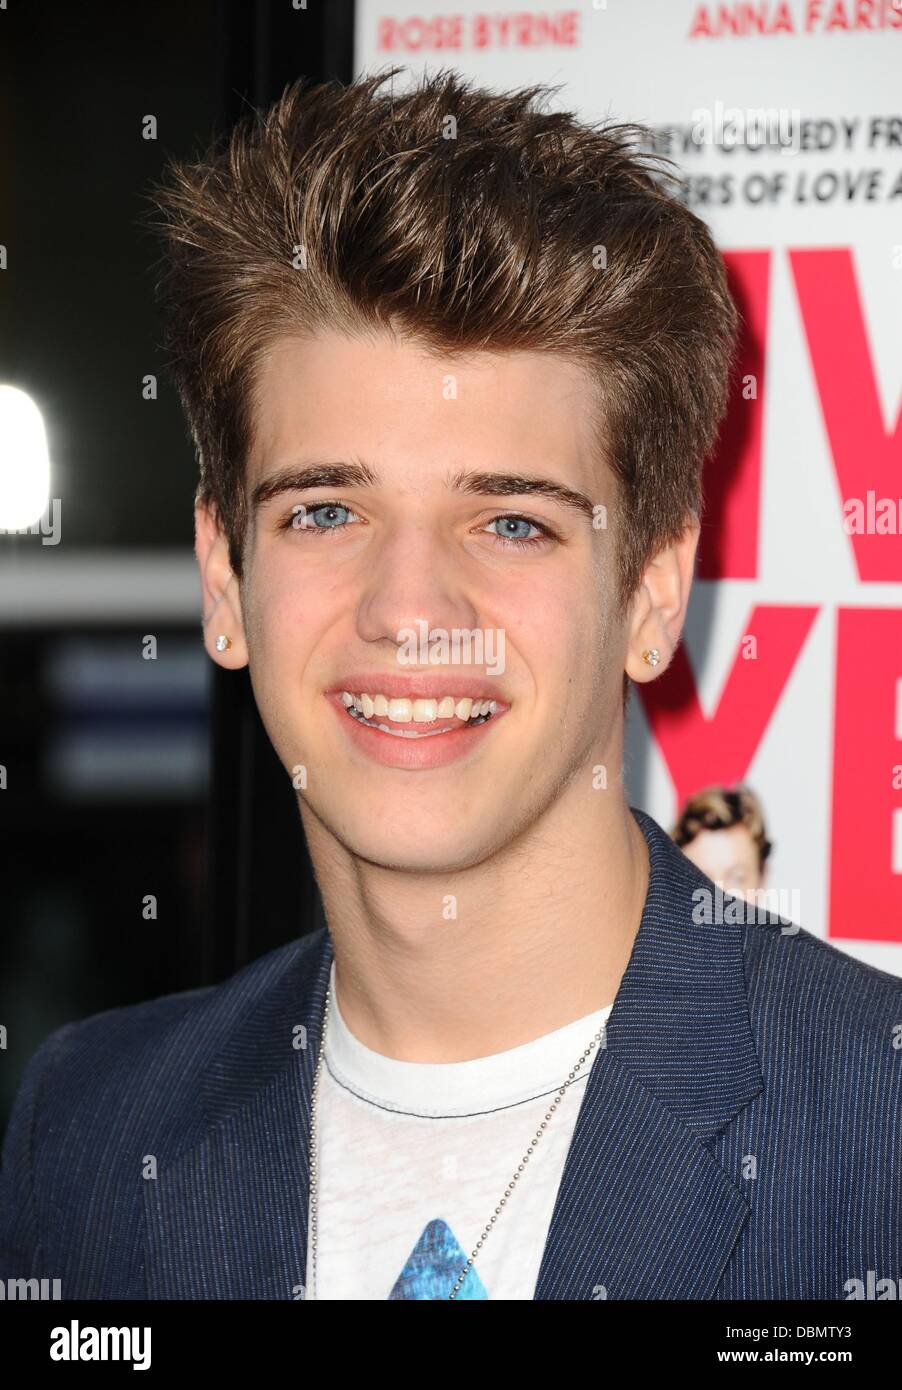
(652, 656)
(223, 643)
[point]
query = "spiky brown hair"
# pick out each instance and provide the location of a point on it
(467, 220)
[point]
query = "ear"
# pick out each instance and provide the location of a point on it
(221, 590)
(658, 608)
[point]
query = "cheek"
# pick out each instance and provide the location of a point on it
(592, 642)
(274, 622)
(537, 621)
(283, 610)
(564, 632)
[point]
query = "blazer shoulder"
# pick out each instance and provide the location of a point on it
(101, 1095)
(791, 971)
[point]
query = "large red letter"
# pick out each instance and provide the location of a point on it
(728, 544)
(865, 894)
(865, 456)
(700, 751)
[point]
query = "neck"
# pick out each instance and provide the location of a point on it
(542, 934)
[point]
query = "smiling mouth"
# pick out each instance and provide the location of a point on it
(375, 710)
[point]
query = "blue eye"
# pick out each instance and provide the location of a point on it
(515, 530)
(324, 517)
(329, 515)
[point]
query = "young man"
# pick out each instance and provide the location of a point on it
(452, 364)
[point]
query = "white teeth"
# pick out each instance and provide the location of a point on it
(418, 711)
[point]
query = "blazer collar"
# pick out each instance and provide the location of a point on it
(643, 1209)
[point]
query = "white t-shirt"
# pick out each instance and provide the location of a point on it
(415, 1156)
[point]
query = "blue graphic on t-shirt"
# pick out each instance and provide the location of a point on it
(433, 1267)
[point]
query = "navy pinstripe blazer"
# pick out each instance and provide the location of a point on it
(739, 1137)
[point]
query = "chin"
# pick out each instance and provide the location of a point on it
(427, 847)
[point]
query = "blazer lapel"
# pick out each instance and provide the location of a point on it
(644, 1211)
(227, 1218)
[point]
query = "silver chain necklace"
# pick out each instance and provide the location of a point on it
(502, 1203)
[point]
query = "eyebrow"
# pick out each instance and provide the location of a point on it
(338, 475)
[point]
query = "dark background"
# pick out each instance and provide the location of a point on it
(126, 778)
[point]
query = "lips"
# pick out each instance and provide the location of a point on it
(412, 722)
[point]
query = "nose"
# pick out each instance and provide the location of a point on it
(414, 578)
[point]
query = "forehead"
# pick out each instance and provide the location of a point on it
(732, 846)
(392, 398)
